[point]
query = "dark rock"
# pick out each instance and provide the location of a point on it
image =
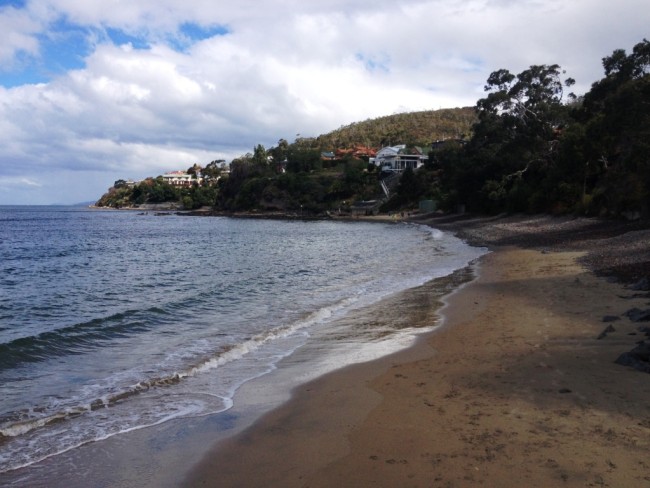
(628, 359)
(642, 285)
(611, 318)
(638, 358)
(638, 315)
(608, 329)
(634, 296)
(642, 350)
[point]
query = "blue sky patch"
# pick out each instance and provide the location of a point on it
(474, 65)
(374, 63)
(198, 33)
(64, 47)
(11, 79)
(190, 33)
(12, 3)
(119, 38)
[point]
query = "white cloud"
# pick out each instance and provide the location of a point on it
(277, 69)
(19, 182)
(19, 31)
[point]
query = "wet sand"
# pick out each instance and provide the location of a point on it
(514, 389)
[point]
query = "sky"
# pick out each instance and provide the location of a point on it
(94, 91)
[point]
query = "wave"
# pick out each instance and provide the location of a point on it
(15, 424)
(78, 338)
(20, 423)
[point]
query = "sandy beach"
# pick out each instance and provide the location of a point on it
(517, 387)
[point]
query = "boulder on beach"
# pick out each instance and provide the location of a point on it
(638, 358)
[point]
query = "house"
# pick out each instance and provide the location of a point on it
(180, 178)
(396, 159)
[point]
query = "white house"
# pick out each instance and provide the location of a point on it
(179, 178)
(396, 158)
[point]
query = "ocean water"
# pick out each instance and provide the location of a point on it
(115, 321)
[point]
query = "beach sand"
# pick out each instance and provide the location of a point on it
(515, 388)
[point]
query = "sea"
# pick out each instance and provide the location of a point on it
(117, 321)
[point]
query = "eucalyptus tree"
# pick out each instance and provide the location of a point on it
(516, 137)
(616, 118)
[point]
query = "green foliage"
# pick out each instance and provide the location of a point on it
(116, 197)
(536, 149)
(156, 190)
(260, 159)
(250, 193)
(303, 159)
(257, 180)
(617, 123)
(279, 153)
(160, 192)
(515, 138)
(213, 170)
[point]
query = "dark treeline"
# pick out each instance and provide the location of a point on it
(535, 148)
(528, 146)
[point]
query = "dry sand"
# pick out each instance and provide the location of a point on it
(514, 389)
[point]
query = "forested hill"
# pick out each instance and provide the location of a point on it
(412, 128)
(257, 180)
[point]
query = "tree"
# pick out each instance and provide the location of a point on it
(260, 158)
(616, 118)
(303, 159)
(195, 170)
(279, 154)
(212, 171)
(516, 135)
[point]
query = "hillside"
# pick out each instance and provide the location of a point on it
(330, 183)
(412, 128)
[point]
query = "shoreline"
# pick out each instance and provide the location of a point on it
(516, 382)
(169, 449)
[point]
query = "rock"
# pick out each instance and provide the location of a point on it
(608, 329)
(628, 359)
(611, 318)
(638, 315)
(642, 351)
(642, 285)
(638, 358)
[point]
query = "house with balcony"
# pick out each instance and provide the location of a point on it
(395, 159)
(180, 178)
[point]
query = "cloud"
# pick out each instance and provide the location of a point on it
(19, 35)
(19, 182)
(129, 89)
